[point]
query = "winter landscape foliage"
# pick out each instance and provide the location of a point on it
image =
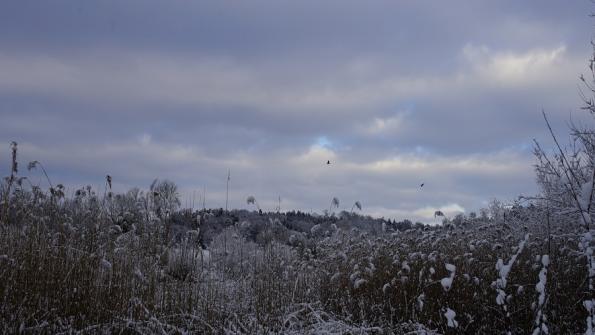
(137, 263)
(99, 262)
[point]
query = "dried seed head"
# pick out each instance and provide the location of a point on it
(13, 148)
(32, 165)
(358, 205)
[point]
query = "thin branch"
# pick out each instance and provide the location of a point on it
(566, 170)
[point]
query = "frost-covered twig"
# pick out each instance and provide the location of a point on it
(585, 246)
(311, 319)
(447, 281)
(503, 271)
(540, 318)
(450, 318)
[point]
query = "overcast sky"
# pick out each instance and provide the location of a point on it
(393, 93)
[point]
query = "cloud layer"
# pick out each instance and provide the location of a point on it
(392, 93)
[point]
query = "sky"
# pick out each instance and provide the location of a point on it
(392, 93)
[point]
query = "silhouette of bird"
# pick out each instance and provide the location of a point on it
(328, 162)
(422, 185)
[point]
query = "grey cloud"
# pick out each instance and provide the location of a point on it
(252, 87)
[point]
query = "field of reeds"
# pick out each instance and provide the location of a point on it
(138, 263)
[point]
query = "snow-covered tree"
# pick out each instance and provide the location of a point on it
(166, 198)
(566, 176)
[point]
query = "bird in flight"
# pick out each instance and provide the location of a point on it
(422, 185)
(328, 162)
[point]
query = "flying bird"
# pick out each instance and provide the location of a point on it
(422, 185)
(328, 162)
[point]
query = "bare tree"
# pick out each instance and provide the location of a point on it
(165, 196)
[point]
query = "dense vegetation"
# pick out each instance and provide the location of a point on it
(139, 263)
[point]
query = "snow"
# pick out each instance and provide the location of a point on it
(504, 270)
(405, 266)
(447, 281)
(501, 297)
(545, 260)
(540, 287)
(585, 246)
(206, 256)
(450, 317)
(420, 301)
(590, 306)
